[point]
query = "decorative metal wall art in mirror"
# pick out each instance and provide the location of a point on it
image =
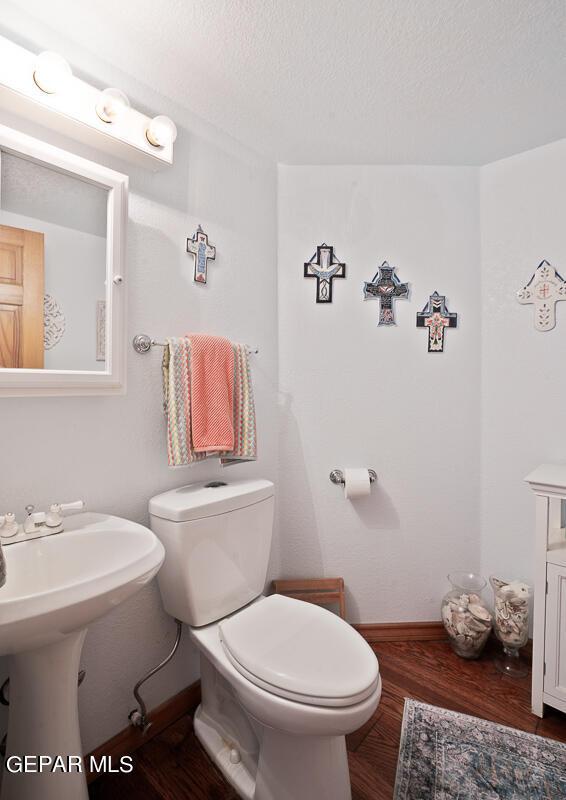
(386, 286)
(101, 330)
(201, 250)
(436, 317)
(324, 266)
(53, 322)
(544, 290)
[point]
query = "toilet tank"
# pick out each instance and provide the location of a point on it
(217, 539)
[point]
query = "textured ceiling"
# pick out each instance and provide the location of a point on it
(343, 81)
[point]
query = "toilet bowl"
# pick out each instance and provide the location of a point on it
(283, 681)
(296, 748)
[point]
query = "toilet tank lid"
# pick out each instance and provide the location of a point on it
(209, 498)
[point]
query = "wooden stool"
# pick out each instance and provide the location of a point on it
(321, 591)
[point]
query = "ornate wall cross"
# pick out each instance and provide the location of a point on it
(436, 317)
(201, 251)
(544, 290)
(387, 287)
(324, 266)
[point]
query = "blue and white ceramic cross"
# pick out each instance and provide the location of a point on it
(201, 250)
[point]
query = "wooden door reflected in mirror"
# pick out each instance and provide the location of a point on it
(21, 298)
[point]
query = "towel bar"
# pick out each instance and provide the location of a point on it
(142, 343)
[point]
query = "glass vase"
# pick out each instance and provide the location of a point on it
(465, 615)
(511, 624)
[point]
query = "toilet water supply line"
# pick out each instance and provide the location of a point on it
(138, 717)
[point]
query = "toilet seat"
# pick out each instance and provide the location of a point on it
(300, 651)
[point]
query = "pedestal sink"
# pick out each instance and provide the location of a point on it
(55, 587)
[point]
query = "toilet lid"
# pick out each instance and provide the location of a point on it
(300, 651)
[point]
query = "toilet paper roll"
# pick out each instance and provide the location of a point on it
(356, 483)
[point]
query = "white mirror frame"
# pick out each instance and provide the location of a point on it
(111, 380)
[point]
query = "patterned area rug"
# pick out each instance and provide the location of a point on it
(450, 756)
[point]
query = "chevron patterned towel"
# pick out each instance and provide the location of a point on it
(176, 368)
(245, 436)
(178, 407)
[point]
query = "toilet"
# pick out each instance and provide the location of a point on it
(283, 681)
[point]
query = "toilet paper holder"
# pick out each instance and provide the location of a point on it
(337, 476)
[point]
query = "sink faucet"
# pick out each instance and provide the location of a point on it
(37, 523)
(33, 519)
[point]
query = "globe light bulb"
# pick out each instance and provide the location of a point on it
(161, 131)
(51, 72)
(111, 104)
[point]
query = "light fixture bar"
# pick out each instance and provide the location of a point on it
(72, 111)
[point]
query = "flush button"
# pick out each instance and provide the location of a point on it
(215, 484)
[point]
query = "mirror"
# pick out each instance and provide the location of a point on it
(52, 268)
(61, 274)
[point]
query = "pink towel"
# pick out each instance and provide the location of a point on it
(212, 393)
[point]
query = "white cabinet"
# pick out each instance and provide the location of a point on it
(548, 482)
(555, 636)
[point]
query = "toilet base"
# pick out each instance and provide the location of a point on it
(264, 763)
(319, 764)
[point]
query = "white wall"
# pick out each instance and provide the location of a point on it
(353, 394)
(523, 202)
(111, 451)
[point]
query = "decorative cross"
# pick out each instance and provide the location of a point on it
(324, 266)
(544, 290)
(201, 251)
(436, 317)
(387, 286)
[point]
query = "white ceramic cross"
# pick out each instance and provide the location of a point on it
(544, 290)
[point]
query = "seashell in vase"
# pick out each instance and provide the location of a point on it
(465, 617)
(511, 623)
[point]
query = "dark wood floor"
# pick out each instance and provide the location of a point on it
(173, 765)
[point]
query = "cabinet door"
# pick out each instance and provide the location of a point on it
(555, 634)
(21, 298)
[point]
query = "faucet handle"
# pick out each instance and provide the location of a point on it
(54, 516)
(76, 505)
(8, 525)
(29, 509)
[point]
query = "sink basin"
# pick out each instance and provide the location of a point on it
(56, 586)
(61, 583)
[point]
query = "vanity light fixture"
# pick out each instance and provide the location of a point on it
(43, 89)
(111, 105)
(161, 131)
(51, 72)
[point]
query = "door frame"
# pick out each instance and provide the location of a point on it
(111, 380)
